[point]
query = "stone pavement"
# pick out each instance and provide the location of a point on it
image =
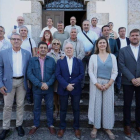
(43, 134)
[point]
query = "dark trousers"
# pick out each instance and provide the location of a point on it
(49, 108)
(118, 80)
(128, 91)
(75, 100)
(85, 61)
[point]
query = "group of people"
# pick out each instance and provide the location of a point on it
(55, 71)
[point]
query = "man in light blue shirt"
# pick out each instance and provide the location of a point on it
(88, 43)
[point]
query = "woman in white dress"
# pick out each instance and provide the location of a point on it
(102, 72)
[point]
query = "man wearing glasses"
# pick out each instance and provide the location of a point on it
(15, 28)
(13, 80)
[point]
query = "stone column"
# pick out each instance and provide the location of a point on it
(34, 18)
(91, 12)
(133, 14)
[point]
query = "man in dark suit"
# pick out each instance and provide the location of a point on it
(69, 73)
(129, 65)
(112, 43)
(13, 80)
(122, 41)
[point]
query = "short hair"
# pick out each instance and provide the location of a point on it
(96, 45)
(54, 40)
(85, 20)
(134, 31)
(2, 28)
(60, 22)
(94, 18)
(104, 27)
(15, 34)
(72, 16)
(68, 43)
(121, 28)
(42, 43)
(23, 26)
(110, 23)
(73, 28)
(50, 18)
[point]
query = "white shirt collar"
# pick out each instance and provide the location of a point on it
(134, 47)
(15, 51)
(69, 58)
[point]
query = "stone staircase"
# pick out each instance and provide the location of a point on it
(28, 114)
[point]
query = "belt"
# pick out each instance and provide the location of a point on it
(18, 77)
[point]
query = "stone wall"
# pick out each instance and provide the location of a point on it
(133, 14)
(35, 18)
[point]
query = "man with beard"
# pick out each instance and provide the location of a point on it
(61, 34)
(129, 65)
(73, 25)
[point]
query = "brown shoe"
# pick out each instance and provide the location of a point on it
(60, 133)
(138, 129)
(78, 134)
(52, 130)
(127, 131)
(33, 130)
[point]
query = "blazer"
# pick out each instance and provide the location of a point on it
(129, 67)
(119, 42)
(34, 74)
(64, 78)
(113, 46)
(6, 68)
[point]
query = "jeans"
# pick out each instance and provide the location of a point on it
(37, 108)
(118, 80)
(75, 100)
(128, 91)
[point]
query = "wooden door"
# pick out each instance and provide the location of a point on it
(55, 15)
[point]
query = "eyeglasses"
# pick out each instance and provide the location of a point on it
(56, 43)
(47, 34)
(14, 39)
(20, 20)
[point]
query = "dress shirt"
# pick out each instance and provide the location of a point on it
(26, 44)
(135, 51)
(97, 30)
(42, 66)
(123, 42)
(88, 46)
(17, 63)
(1, 43)
(17, 31)
(52, 30)
(70, 64)
(68, 28)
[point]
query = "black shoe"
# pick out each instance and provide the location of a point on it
(4, 134)
(20, 131)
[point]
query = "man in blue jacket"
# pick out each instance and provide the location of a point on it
(41, 73)
(69, 73)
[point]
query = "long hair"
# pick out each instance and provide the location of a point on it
(43, 38)
(96, 51)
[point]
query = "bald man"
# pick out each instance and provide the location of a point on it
(15, 28)
(69, 73)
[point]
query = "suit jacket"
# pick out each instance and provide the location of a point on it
(6, 68)
(129, 67)
(113, 46)
(119, 42)
(64, 78)
(34, 74)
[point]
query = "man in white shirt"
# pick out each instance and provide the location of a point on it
(13, 81)
(94, 27)
(49, 27)
(27, 43)
(73, 25)
(122, 41)
(4, 44)
(129, 65)
(15, 28)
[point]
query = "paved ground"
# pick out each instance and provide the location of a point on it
(43, 134)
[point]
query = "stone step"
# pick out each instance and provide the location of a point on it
(28, 119)
(83, 106)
